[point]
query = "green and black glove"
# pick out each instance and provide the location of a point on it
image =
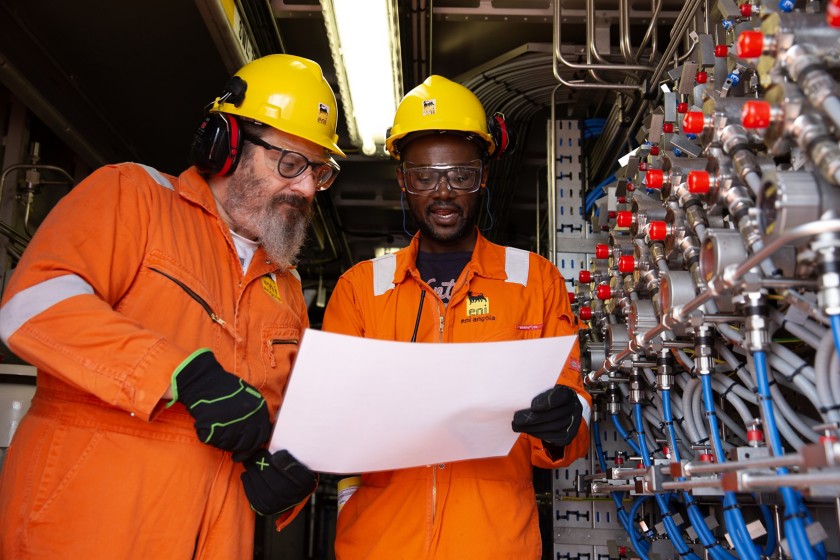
(554, 417)
(229, 413)
(276, 483)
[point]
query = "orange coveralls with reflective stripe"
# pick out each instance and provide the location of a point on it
(471, 509)
(130, 273)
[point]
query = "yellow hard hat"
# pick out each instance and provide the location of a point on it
(286, 92)
(439, 104)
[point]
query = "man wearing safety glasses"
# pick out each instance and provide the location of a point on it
(163, 314)
(452, 285)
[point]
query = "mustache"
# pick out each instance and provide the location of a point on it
(297, 202)
(441, 205)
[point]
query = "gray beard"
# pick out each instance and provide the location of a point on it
(279, 224)
(283, 235)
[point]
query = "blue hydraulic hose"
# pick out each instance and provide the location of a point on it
(794, 523)
(732, 514)
(670, 527)
(597, 193)
(641, 547)
(626, 521)
(669, 421)
(698, 521)
(624, 435)
(598, 449)
(835, 329)
(769, 523)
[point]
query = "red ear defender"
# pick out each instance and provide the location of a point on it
(217, 144)
(502, 135)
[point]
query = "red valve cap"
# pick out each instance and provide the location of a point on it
(701, 77)
(832, 13)
(746, 10)
(756, 114)
(626, 264)
(721, 51)
(668, 128)
(603, 292)
(682, 107)
(654, 150)
(750, 44)
(654, 178)
(694, 122)
(602, 251)
(657, 231)
(584, 277)
(698, 182)
(624, 219)
(585, 313)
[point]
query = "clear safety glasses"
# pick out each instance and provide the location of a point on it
(462, 178)
(292, 164)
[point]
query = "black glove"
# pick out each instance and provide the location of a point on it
(276, 483)
(554, 416)
(229, 413)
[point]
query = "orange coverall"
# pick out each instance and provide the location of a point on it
(470, 509)
(130, 273)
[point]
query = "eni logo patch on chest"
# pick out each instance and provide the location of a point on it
(270, 287)
(477, 304)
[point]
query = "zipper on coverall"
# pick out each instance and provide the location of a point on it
(206, 306)
(441, 320)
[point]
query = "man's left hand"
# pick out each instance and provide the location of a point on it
(276, 483)
(554, 416)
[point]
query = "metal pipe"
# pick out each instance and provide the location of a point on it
(558, 57)
(624, 32)
(791, 460)
(802, 480)
(551, 195)
(689, 484)
(591, 47)
(650, 34)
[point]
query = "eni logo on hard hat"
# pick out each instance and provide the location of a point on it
(323, 113)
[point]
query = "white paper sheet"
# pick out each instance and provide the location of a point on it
(358, 405)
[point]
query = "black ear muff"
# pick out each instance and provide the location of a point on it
(217, 144)
(502, 135)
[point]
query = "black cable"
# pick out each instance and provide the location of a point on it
(419, 311)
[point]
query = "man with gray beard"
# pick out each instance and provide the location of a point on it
(163, 314)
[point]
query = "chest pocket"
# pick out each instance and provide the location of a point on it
(280, 347)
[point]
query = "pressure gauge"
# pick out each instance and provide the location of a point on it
(721, 248)
(790, 199)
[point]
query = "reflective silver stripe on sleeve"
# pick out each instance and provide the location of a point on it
(587, 411)
(516, 265)
(293, 272)
(35, 299)
(384, 268)
(158, 177)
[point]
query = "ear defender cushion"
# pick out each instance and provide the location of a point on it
(502, 135)
(217, 144)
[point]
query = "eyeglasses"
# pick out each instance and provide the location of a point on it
(462, 178)
(293, 164)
